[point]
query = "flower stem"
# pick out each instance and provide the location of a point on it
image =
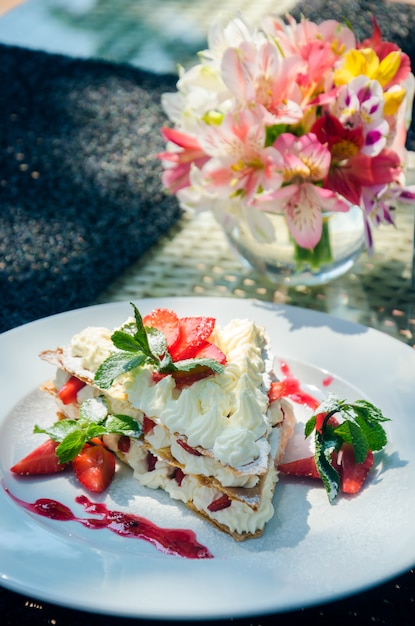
(318, 256)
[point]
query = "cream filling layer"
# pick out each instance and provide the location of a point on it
(225, 413)
(160, 438)
(238, 517)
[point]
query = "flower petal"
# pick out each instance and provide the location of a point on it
(303, 212)
(388, 67)
(331, 201)
(260, 225)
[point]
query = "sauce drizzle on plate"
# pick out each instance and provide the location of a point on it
(173, 541)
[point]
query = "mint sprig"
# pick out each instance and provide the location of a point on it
(325, 445)
(94, 421)
(358, 424)
(138, 345)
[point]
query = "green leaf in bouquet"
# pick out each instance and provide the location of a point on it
(316, 257)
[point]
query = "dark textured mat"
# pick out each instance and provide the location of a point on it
(80, 190)
(396, 20)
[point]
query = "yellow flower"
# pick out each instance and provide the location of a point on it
(366, 62)
(393, 100)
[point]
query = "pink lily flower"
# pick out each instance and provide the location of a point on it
(306, 161)
(304, 205)
(187, 151)
(293, 117)
(258, 74)
(318, 45)
(240, 164)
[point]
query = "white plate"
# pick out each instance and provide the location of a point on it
(311, 551)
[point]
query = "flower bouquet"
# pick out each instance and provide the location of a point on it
(291, 118)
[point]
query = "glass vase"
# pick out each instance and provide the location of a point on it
(284, 262)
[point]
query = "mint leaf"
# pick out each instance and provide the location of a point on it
(374, 433)
(370, 420)
(94, 421)
(129, 327)
(328, 474)
(157, 342)
(125, 341)
(59, 430)
(167, 366)
(115, 365)
(93, 410)
(123, 425)
(71, 445)
(135, 349)
(140, 345)
(141, 335)
(94, 430)
(349, 432)
(310, 426)
(358, 424)
(369, 412)
(189, 364)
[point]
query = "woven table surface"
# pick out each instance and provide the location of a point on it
(194, 259)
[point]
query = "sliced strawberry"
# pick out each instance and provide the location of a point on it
(151, 462)
(220, 503)
(97, 441)
(206, 351)
(277, 390)
(148, 425)
(70, 390)
(194, 331)
(166, 321)
(179, 475)
(301, 467)
(320, 417)
(94, 467)
(188, 448)
(185, 379)
(352, 474)
(209, 350)
(157, 376)
(124, 444)
(42, 460)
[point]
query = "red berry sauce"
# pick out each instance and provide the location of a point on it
(173, 541)
(293, 389)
